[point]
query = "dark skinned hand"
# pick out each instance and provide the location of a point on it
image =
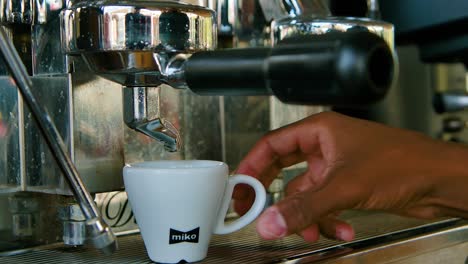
(353, 164)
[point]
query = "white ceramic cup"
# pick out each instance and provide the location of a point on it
(178, 205)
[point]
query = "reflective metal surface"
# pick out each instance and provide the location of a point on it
(139, 44)
(278, 9)
(247, 23)
(380, 238)
(74, 224)
(96, 126)
(405, 246)
(103, 238)
(16, 11)
(158, 26)
(46, 11)
(144, 116)
(41, 170)
(49, 58)
(25, 211)
(11, 155)
(306, 25)
(198, 120)
(131, 42)
(29, 11)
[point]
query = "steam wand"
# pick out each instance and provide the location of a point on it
(99, 232)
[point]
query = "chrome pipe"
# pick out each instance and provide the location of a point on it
(101, 235)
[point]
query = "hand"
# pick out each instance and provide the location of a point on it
(356, 164)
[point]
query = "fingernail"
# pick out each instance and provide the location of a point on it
(271, 224)
(344, 234)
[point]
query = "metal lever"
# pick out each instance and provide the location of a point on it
(100, 234)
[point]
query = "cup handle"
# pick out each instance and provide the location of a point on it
(257, 207)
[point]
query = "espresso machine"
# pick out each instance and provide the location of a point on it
(120, 81)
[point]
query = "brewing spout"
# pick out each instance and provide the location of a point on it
(141, 107)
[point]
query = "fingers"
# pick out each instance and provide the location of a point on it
(244, 195)
(305, 181)
(329, 227)
(278, 149)
(301, 210)
(266, 169)
(267, 175)
(311, 234)
(334, 228)
(271, 224)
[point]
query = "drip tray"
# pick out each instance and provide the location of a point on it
(374, 230)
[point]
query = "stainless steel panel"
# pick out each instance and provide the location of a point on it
(16, 11)
(99, 234)
(246, 119)
(89, 120)
(198, 119)
(10, 128)
(49, 58)
(97, 127)
(41, 171)
(28, 219)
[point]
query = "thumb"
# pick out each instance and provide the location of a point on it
(303, 209)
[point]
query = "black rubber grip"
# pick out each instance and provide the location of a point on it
(331, 69)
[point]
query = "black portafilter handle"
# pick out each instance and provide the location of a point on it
(342, 68)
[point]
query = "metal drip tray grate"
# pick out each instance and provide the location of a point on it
(240, 247)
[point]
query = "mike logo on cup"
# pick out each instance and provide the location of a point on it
(176, 236)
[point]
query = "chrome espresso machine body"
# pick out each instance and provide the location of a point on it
(125, 81)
